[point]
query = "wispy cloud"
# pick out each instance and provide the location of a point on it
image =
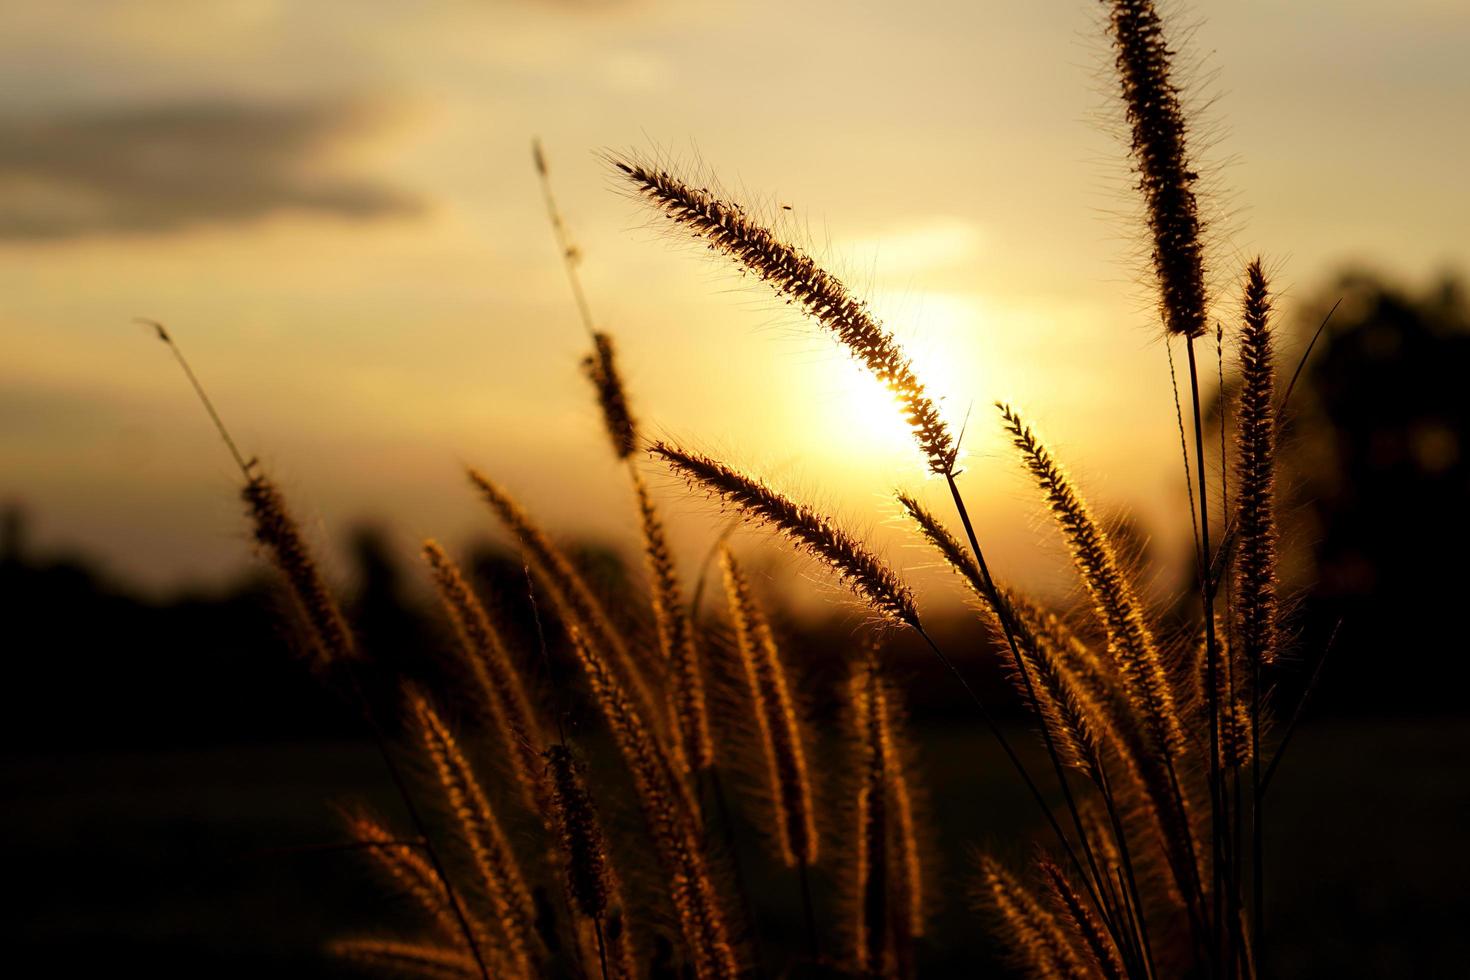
(171, 167)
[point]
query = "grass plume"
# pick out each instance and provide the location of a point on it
(1159, 146)
(408, 959)
(278, 533)
(669, 814)
(728, 229)
(676, 638)
(408, 871)
(1034, 936)
(782, 741)
(1130, 640)
(1255, 585)
(569, 591)
(499, 875)
(857, 567)
(1100, 946)
(601, 369)
(502, 696)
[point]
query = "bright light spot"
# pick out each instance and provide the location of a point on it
(942, 336)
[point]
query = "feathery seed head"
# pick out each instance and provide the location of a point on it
(479, 829)
(583, 847)
(727, 229)
(782, 738)
(276, 531)
(1161, 156)
(1130, 641)
(502, 697)
(856, 567)
(676, 638)
(1255, 466)
(601, 369)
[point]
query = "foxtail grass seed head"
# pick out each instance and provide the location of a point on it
(1159, 147)
(782, 739)
(583, 847)
(1255, 479)
(872, 928)
(676, 638)
(1100, 947)
(1024, 925)
(406, 868)
(1130, 641)
(574, 599)
(670, 816)
(479, 829)
(728, 229)
(856, 567)
(601, 369)
(277, 532)
(502, 696)
(393, 957)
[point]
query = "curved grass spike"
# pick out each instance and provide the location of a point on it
(502, 697)
(1067, 729)
(408, 959)
(1159, 146)
(1255, 483)
(1024, 925)
(863, 573)
(726, 228)
(872, 927)
(782, 741)
(889, 891)
(909, 913)
(858, 568)
(277, 532)
(408, 871)
(1104, 954)
(1130, 641)
(1255, 561)
(591, 887)
(1232, 700)
(570, 592)
(669, 814)
(601, 369)
(676, 638)
(514, 913)
(275, 529)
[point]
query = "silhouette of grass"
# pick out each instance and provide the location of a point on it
(1149, 882)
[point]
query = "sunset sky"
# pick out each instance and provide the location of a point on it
(332, 206)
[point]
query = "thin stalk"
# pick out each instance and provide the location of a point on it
(1212, 651)
(1094, 887)
(359, 698)
(563, 239)
(419, 825)
(601, 946)
(1258, 845)
(1135, 917)
(1121, 838)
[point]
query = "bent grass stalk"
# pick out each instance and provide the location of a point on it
(275, 529)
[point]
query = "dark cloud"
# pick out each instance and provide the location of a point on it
(159, 169)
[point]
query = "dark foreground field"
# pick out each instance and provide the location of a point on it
(191, 861)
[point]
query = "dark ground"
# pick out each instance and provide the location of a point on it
(185, 861)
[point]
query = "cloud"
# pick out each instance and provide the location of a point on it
(171, 167)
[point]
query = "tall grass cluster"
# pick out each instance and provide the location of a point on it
(1158, 750)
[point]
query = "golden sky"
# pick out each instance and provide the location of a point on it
(332, 206)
